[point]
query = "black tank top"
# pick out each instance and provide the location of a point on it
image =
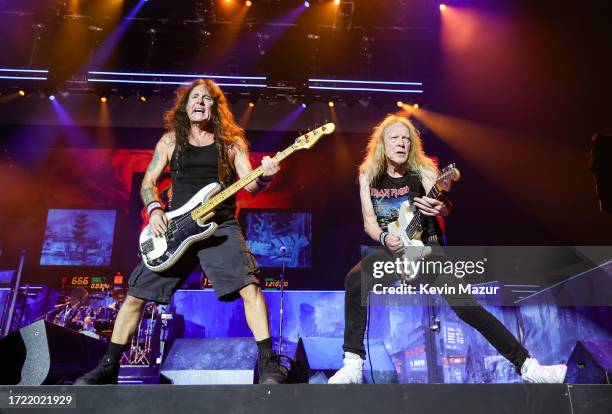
(196, 168)
(388, 193)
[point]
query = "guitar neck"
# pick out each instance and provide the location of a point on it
(433, 193)
(237, 186)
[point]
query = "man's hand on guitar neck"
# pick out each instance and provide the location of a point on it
(431, 206)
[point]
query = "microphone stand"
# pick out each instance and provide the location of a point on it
(283, 251)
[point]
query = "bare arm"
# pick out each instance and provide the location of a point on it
(243, 166)
(148, 189)
(370, 225)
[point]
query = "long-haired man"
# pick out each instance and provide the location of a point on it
(395, 169)
(203, 144)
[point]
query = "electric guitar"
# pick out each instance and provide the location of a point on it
(190, 223)
(408, 225)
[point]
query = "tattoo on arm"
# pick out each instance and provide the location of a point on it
(148, 190)
(154, 161)
(148, 194)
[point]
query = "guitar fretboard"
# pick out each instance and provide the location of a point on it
(237, 186)
(416, 221)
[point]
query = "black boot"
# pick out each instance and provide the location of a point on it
(105, 373)
(270, 369)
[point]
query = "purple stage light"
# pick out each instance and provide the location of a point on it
(172, 79)
(176, 75)
(362, 85)
(23, 74)
(333, 88)
(243, 85)
(23, 77)
(363, 82)
(306, 4)
(24, 70)
(76, 136)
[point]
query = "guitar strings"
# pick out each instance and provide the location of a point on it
(416, 219)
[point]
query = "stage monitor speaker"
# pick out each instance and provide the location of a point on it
(44, 353)
(590, 362)
(211, 361)
(320, 358)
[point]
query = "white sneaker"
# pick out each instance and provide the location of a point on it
(532, 371)
(351, 372)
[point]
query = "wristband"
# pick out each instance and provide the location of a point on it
(153, 205)
(381, 238)
(266, 180)
(263, 182)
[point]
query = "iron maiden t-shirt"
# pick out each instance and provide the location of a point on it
(388, 194)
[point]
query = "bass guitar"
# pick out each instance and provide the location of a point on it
(191, 222)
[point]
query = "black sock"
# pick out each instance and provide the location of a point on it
(115, 350)
(264, 345)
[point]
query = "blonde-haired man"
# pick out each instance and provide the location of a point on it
(395, 168)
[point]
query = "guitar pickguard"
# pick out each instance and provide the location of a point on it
(398, 227)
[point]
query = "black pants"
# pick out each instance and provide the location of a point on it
(359, 282)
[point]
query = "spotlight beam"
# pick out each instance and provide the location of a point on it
(110, 43)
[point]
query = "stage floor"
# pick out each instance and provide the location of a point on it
(320, 399)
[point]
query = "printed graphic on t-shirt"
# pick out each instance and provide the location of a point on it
(387, 202)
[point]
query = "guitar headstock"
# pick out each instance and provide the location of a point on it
(310, 138)
(447, 176)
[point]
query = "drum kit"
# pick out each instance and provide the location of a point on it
(87, 312)
(90, 314)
